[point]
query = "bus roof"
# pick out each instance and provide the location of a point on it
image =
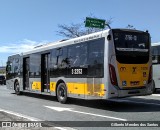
(61, 43)
(155, 44)
(67, 42)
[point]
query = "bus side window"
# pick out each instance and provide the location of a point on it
(96, 58)
(59, 62)
(77, 55)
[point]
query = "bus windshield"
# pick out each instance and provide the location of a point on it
(133, 45)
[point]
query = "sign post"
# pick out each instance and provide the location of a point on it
(96, 23)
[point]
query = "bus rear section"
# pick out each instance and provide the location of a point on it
(156, 66)
(130, 65)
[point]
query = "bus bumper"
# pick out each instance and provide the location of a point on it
(133, 92)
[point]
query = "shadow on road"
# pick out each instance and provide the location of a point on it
(157, 91)
(40, 96)
(119, 105)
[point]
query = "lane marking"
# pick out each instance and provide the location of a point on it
(118, 100)
(64, 128)
(20, 115)
(155, 95)
(32, 119)
(60, 109)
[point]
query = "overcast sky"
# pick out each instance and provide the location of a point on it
(27, 23)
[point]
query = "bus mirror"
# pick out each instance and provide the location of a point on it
(109, 37)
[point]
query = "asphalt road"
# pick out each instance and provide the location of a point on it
(47, 108)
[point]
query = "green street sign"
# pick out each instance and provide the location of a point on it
(95, 23)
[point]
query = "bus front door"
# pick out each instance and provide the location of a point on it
(26, 73)
(45, 80)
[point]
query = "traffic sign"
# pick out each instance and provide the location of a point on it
(96, 23)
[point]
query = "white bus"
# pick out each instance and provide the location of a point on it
(104, 65)
(156, 65)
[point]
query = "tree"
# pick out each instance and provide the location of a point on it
(76, 30)
(130, 26)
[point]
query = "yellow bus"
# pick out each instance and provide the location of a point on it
(104, 65)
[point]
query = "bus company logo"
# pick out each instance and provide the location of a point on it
(123, 69)
(134, 69)
(124, 83)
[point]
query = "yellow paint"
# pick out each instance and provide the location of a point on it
(76, 88)
(70, 88)
(102, 92)
(79, 88)
(86, 89)
(36, 85)
(135, 75)
(95, 90)
(52, 86)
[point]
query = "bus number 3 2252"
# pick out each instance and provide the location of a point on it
(77, 71)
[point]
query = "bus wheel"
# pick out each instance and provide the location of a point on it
(154, 87)
(17, 88)
(62, 93)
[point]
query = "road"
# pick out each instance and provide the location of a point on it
(47, 108)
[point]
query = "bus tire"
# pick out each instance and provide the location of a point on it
(62, 93)
(17, 88)
(154, 87)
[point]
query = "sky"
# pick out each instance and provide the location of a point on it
(28, 23)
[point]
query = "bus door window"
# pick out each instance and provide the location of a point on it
(26, 73)
(45, 73)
